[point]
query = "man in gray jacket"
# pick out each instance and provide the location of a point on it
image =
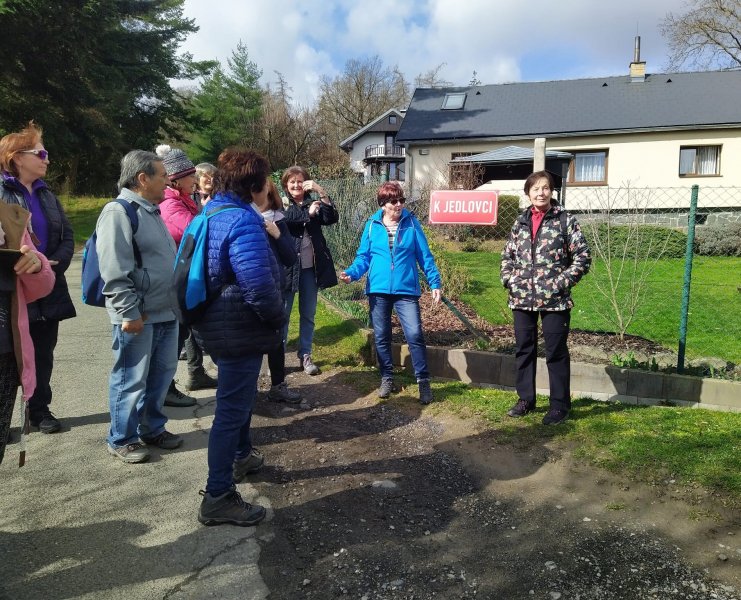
(145, 332)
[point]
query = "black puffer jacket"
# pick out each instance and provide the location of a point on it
(60, 247)
(298, 220)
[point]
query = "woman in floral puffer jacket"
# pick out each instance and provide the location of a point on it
(545, 256)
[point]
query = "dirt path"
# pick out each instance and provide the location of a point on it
(379, 501)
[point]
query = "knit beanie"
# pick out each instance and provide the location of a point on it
(177, 164)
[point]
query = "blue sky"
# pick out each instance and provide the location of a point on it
(502, 41)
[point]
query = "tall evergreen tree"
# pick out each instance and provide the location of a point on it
(95, 75)
(223, 112)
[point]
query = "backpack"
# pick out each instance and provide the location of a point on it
(189, 297)
(92, 282)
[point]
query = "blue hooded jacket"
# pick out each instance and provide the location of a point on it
(247, 315)
(394, 270)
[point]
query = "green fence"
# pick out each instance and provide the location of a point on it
(633, 293)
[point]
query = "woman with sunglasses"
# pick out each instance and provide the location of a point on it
(24, 162)
(391, 247)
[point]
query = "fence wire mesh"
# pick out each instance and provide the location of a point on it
(628, 307)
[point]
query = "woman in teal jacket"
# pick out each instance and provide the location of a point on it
(391, 246)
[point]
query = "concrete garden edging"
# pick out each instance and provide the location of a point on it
(601, 382)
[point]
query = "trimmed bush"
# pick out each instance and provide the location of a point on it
(718, 240)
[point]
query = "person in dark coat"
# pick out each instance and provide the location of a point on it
(310, 208)
(24, 162)
(242, 322)
(281, 243)
(545, 256)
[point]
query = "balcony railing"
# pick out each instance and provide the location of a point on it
(384, 150)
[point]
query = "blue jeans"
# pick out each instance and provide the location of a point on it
(143, 367)
(407, 309)
(307, 295)
(230, 432)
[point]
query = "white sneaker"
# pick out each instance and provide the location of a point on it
(309, 367)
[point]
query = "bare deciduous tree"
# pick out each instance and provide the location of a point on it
(707, 35)
(432, 78)
(364, 90)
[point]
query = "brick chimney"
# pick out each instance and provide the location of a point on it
(637, 67)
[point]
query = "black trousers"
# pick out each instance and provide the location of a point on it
(277, 364)
(44, 335)
(555, 334)
(193, 352)
(8, 390)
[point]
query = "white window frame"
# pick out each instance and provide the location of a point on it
(454, 101)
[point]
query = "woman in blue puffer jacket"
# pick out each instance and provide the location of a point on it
(391, 246)
(242, 323)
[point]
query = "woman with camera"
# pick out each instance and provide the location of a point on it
(309, 210)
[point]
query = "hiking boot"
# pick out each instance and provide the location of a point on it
(200, 380)
(281, 393)
(131, 453)
(46, 422)
(165, 440)
(555, 416)
(251, 463)
(425, 391)
(176, 398)
(520, 409)
(386, 387)
(309, 367)
(229, 508)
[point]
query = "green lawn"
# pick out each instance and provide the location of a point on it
(83, 214)
(691, 446)
(714, 325)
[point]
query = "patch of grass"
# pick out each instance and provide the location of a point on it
(693, 446)
(616, 506)
(82, 212)
(714, 325)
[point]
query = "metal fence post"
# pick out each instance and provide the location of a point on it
(687, 279)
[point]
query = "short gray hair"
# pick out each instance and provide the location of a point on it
(135, 162)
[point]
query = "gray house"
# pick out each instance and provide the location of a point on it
(373, 149)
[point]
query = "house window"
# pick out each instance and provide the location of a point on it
(696, 161)
(453, 101)
(392, 119)
(588, 168)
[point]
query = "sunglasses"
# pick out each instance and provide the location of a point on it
(42, 154)
(396, 201)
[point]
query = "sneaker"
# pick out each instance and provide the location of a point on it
(555, 416)
(200, 380)
(281, 393)
(176, 398)
(131, 453)
(386, 387)
(251, 463)
(46, 423)
(309, 367)
(425, 391)
(229, 508)
(520, 409)
(165, 440)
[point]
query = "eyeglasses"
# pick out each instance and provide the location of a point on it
(42, 154)
(396, 201)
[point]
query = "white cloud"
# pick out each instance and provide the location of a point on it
(501, 41)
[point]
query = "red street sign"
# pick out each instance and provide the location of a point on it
(457, 207)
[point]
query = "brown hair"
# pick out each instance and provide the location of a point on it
(532, 179)
(274, 199)
(388, 191)
(241, 171)
(290, 172)
(13, 143)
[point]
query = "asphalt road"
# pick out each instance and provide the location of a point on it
(76, 522)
